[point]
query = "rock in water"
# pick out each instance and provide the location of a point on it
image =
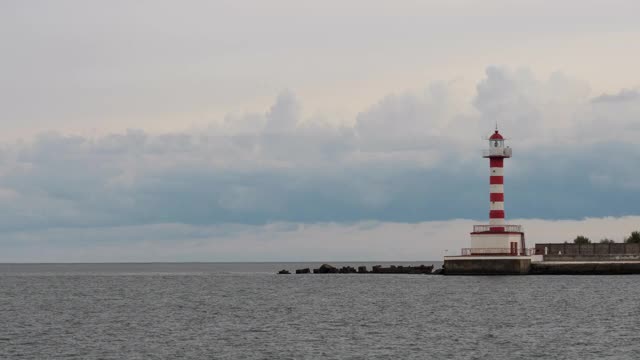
(303, 271)
(327, 269)
(422, 269)
(284, 272)
(347, 270)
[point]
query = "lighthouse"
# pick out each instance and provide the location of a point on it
(497, 237)
(497, 248)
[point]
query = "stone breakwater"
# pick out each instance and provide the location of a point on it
(476, 266)
(377, 269)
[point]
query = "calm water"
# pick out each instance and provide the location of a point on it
(244, 311)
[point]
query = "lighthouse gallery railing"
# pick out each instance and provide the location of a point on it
(503, 228)
(506, 152)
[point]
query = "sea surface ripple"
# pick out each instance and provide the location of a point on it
(245, 311)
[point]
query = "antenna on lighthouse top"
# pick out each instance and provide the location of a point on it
(496, 125)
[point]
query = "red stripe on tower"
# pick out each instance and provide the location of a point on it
(496, 162)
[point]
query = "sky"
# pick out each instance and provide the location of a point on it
(310, 130)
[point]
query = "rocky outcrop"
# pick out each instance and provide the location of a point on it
(422, 269)
(347, 270)
(326, 269)
(377, 269)
(284, 272)
(393, 269)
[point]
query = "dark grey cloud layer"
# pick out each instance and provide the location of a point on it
(409, 158)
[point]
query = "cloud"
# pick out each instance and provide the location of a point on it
(410, 157)
(532, 110)
(401, 122)
(622, 96)
(284, 114)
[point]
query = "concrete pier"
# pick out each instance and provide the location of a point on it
(585, 268)
(487, 265)
(535, 265)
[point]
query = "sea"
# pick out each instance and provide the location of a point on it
(246, 311)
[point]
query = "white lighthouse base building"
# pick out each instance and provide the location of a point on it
(493, 251)
(503, 240)
(510, 243)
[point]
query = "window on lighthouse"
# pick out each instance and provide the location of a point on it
(498, 143)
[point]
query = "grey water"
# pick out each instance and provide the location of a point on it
(245, 311)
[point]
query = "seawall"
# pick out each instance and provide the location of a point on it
(585, 268)
(487, 265)
(539, 265)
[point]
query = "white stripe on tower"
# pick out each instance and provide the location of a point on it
(496, 171)
(496, 205)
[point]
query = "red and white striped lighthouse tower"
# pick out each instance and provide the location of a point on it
(498, 237)
(496, 154)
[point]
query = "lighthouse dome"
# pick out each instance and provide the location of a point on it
(496, 136)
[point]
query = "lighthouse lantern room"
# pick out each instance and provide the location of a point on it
(496, 238)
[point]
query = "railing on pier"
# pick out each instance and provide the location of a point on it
(497, 252)
(605, 249)
(501, 228)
